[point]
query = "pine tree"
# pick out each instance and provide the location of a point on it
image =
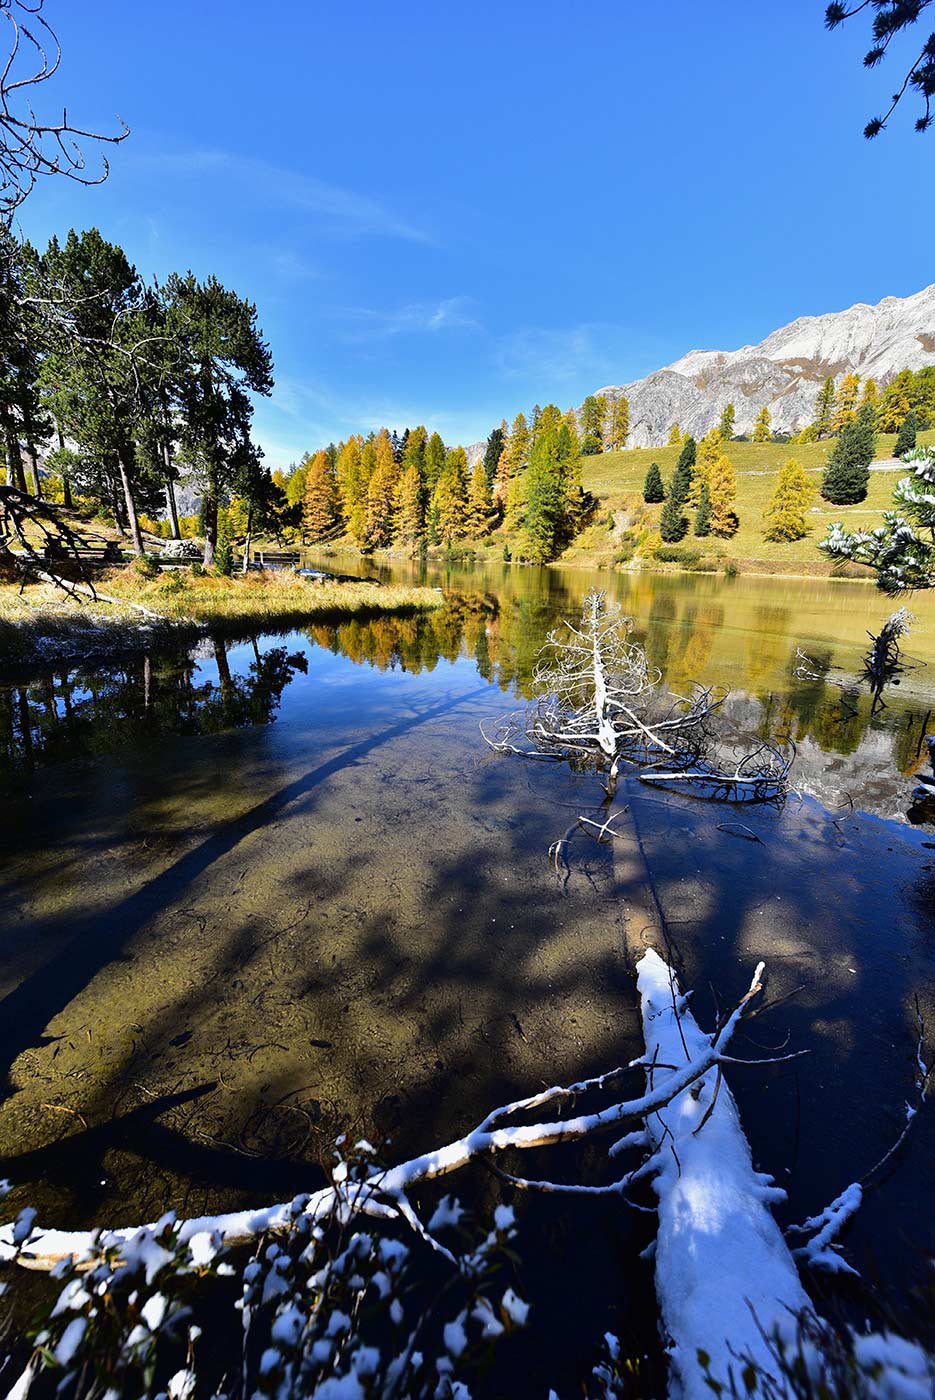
(478, 502)
(544, 498)
(906, 438)
(784, 516)
(617, 424)
(761, 429)
(685, 468)
(675, 436)
(653, 489)
(845, 403)
(847, 473)
(824, 406)
(726, 425)
(703, 513)
(318, 498)
(722, 493)
(493, 449)
(410, 507)
(673, 521)
(223, 553)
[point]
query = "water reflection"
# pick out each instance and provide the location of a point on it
(740, 634)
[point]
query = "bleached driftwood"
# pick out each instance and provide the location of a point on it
(600, 704)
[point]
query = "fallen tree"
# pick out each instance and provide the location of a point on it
(600, 705)
(325, 1298)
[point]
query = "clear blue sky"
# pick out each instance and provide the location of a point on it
(447, 213)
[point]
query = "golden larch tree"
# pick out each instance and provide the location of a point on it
(318, 501)
(722, 494)
(761, 428)
(784, 516)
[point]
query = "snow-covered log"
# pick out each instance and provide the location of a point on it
(724, 1274)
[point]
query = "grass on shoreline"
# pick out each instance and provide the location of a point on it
(43, 624)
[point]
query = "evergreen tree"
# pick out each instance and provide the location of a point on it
(223, 553)
(434, 461)
(685, 468)
(574, 502)
(906, 438)
(726, 425)
(845, 403)
(653, 489)
(492, 452)
(673, 521)
(722, 494)
(675, 436)
(703, 513)
(478, 502)
(847, 473)
(410, 506)
(318, 504)
(824, 407)
(784, 516)
(761, 428)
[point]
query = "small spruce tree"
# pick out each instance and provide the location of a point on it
(848, 471)
(906, 439)
(653, 489)
(703, 513)
(685, 467)
(223, 553)
(673, 521)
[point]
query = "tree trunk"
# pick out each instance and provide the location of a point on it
(134, 524)
(246, 543)
(66, 483)
(210, 506)
(173, 510)
(14, 460)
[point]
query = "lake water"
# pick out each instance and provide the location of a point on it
(261, 891)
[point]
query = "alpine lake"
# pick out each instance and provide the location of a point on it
(266, 890)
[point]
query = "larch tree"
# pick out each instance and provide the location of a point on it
(478, 501)
(722, 494)
(434, 461)
(450, 496)
(618, 424)
(414, 450)
(653, 489)
(502, 480)
(410, 506)
(845, 403)
(593, 412)
(784, 516)
(518, 446)
(352, 487)
(381, 492)
(895, 403)
(824, 407)
(675, 436)
(544, 498)
(726, 425)
(871, 394)
(761, 425)
(709, 450)
(318, 502)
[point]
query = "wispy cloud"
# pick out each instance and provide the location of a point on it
(345, 211)
(558, 356)
(414, 318)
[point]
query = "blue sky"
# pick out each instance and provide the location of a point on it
(448, 213)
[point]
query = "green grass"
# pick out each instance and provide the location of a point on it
(616, 479)
(44, 624)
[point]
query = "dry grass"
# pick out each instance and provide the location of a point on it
(43, 624)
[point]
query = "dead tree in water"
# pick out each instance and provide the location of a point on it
(600, 704)
(883, 663)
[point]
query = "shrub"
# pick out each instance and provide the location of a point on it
(145, 566)
(669, 555)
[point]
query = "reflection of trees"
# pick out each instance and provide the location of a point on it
(61, 716)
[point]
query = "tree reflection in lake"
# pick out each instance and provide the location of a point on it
(738, 633)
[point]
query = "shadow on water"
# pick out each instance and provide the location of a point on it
(261, 893)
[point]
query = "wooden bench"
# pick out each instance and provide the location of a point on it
(279, 558)
(106, 552)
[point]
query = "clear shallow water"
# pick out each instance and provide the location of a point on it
(269, 890)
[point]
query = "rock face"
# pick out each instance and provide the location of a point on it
(784, 371)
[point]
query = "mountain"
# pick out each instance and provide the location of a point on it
(783, 371)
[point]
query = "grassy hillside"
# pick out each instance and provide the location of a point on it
(616, 478)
